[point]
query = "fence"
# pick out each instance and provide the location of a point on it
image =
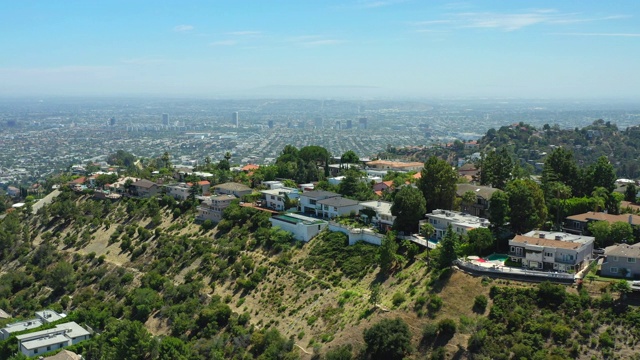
(515, 273)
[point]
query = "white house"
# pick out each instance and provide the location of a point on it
(276, 198)
(42, 317)
(178, 191)
(273, 184)
(337, 206)
(303, 228)
(381, 211)
(460, 223)
(551, 250)
(43, 341)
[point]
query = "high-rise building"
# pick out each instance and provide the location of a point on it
(112, 121)
(165, 119)
(319, 124)
(235, 119)
(349, 124)
(337, 127)
(270, 124)
(363, 123)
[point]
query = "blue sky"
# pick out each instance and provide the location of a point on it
(394, 48)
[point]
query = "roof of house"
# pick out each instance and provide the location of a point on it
(250, 167)
(382, 207)
(482, 191)
(552, 243)
(338, 202)
(64, 355)
(623, 250)
(232, 186)
(394, 164)
(79, 180)
(417, 175)
(600, 216)
(319, 193)
(144, 183)
(468, 167)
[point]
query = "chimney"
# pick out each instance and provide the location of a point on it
(541, 235)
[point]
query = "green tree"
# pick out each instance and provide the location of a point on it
(631, 193)
(560, 167)
(526, 201)
(408, 207)
(62, 277)
(496, 168)
(374, 297)
(447, 249)
(348, 187)
(438, 184)
(601, 230)
(481, 240)
(621, 232)
(172, 348)
(166, 160)
(390, 339)
(388, 252)
(499, 210)
(349, 157)
(468, 198)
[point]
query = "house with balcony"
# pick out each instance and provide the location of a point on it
(303, 228)
(378, 213)
(213, 207)
(337, 206)
(621, 260)
(460, 223)
(276, 199)
(309, 200)
(481, 205)
(554, 251)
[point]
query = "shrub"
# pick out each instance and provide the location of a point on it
(480, 304)
(398, 298)
(446, 327)
(561, 333)
(435, 303)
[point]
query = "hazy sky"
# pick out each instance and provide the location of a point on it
(550, 49)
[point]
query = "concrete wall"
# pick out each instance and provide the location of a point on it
(356, 234)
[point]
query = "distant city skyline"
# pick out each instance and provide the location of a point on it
(348, 49)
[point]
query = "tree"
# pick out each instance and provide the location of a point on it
(427, 230)
(388, 252)
(496, 168)
(390, 339)
(480, 240)
(601, 230)
(349, 185)
(166, 160)
(438, 184)
(499, 210)
(602, 174)
(621, 232)
(62, 277)
(408, 207)
(447, 249)
(194, 191)
(172, 348)
(468, 198)
(374, 298)
(560, 167)
(349, 157)
(526, 200)
(631, 193)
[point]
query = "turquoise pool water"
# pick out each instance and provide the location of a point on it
(497, 257)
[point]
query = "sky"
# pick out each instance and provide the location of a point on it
(353, 48)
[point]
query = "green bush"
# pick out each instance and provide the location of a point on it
(398, 298)
(480, 303)
(446, 327)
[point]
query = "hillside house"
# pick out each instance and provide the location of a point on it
(276, 199)
(545, 250)
(309, 200)
(460, 223)
(483, 194)
(337, 206)
(213, 207)
(381, 211)
(303, 228)
(145, 188)
(232, 188)
(577, 224)
(62, 335)
(621, 260)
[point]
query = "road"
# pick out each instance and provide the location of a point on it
(45, 200)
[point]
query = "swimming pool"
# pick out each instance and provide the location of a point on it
(497, 257)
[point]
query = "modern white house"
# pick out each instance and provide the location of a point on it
(460, 223)
(381, 211)
(337, 206)
(213, 207)
(547, 250)
(43, 341)
(309, 200)
(273, 184)
(302, 227)
(276, 198)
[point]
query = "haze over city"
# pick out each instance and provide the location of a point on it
(357, 49)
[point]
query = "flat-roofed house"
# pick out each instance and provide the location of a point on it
(546, 250)
(62, 335)
(277, 198)
(460, 223)
(621, 260)
(303, 228)
(381, 211)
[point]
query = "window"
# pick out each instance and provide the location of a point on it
(513, 249)
(613, 270)
(548, 254)
(631, 260)
(614, 258)
(48, 348)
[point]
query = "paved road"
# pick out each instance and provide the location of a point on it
(45, 200)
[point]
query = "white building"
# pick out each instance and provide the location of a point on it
(276, 199)
(337, 206)
(382, 217)
(309, 200)
(303, 228)
(551, 250)
(43, 341)
(273, 184)
(460, 223)
(42, 317)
